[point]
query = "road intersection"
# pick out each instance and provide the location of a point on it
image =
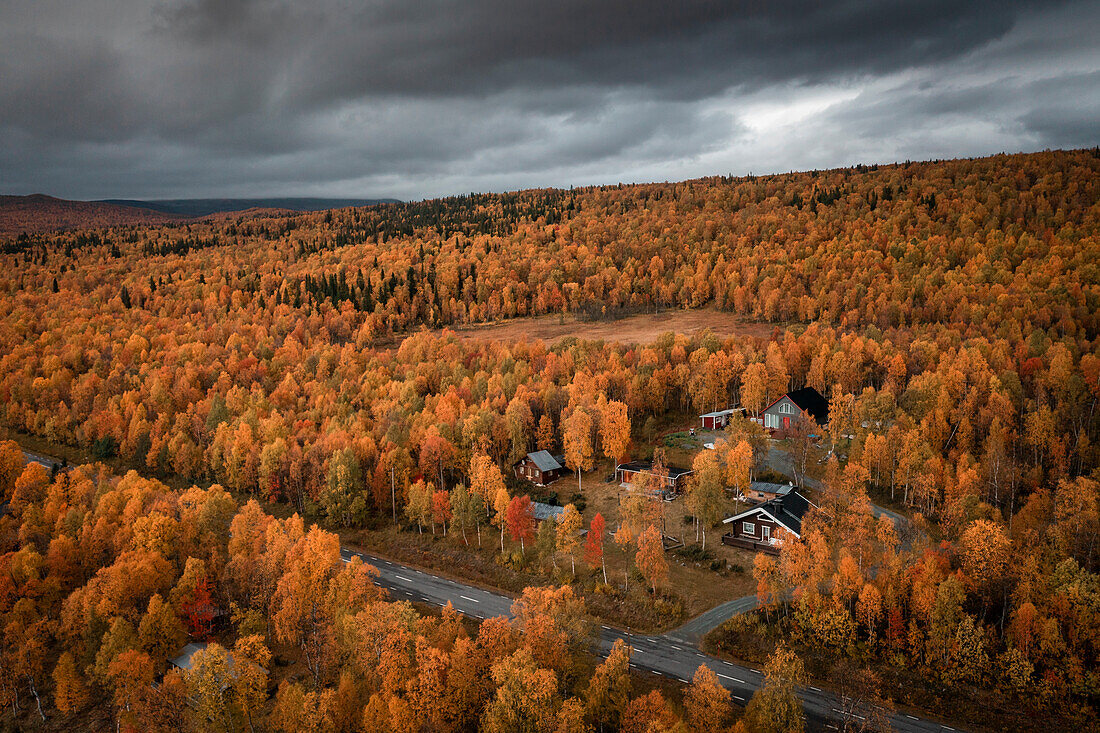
(674, 654)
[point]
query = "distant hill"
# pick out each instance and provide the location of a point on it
(40, 213)
(204, 207)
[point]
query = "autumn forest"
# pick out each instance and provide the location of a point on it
(236, 400)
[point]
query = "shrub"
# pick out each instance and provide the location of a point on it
(105, 448)
(694, 553)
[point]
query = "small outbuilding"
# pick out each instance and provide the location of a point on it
(719, 419)
(670, 480)
(760, 491)
(542, 511)
(183, 661)
(540, 467)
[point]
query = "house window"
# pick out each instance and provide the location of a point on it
(786, 409)
(748, 528)
(766, 532)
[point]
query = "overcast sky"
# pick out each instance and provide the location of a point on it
(420, 98)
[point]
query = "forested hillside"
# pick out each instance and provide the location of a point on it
(949, 310)
(35, 214)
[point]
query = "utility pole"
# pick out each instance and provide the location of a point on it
(393, 496)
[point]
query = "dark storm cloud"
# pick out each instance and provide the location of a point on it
(396, 97)
(685, 48)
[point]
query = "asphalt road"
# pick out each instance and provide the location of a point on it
(672, 655)
(46, 462)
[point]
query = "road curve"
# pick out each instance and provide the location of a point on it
(672, 655)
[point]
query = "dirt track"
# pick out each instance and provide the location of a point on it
(642, 329)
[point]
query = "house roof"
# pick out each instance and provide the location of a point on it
(787, 510)
(720, 413)
(768, 488)
(674, 472)
(543, 512)
(544, 461)
(808, 400)
(183, 661)
(811, 401)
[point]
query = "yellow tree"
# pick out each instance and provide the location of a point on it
(571, 718)
(739, 466)
(624, 538)
(299, 711)
(614, 430)
(706, 494)
(314, 589)
(544, 435)
(767, 573)
(209, 681)
(130, 675)
(754, 388)
(465, 511)
(518, 418)
(869, 608)
(160, 632)
(986, 550)
(842, 414)
(418, 505)
(775, 708)
(577, 436)
(250, 660)
(525, 696)
(343, 498)
(706, 702)
(651, 557)
(486, 483)
(568, 540)
(609, 688)
(500, 511)
(11, 466)
(70, 690)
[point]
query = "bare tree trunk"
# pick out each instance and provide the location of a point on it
(37, 701)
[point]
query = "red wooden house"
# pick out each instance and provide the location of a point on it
(804, 404)
(765, 526)
(539, 467)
